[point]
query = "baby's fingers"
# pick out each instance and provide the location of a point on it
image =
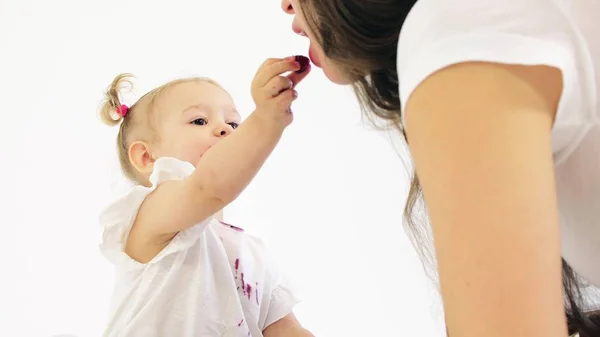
(276, 86)
(297, 76)
(270, 70)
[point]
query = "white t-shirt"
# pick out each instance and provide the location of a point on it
(212, 279)
(560, 33)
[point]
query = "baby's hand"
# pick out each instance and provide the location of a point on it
(274, 93)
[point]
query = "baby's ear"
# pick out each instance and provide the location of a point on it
(140, 157)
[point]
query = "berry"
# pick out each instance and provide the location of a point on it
(304, 62)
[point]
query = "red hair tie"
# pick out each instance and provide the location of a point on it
(123, 110)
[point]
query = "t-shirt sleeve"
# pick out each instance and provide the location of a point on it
(283, 296)
(440, 33)
(118, 217)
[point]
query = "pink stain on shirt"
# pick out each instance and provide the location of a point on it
(243, 284)
(246, 287)
(249, 290)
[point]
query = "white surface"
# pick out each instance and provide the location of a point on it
(329, 199)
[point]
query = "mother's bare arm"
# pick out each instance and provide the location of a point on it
(480, 137)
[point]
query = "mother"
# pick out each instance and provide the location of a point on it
(498, 100)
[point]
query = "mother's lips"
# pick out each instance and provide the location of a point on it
(311, 54)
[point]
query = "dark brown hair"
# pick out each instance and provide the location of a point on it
(361, 38)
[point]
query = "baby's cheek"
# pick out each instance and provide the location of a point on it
(196, 152)
(194, 158)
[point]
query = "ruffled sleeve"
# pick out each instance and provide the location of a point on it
(283, 298)
(118, 217)
(283, 301)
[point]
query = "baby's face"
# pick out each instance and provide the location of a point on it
(193, 117)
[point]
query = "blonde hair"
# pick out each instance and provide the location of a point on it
(136, 124)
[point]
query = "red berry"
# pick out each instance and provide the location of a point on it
(304, 62)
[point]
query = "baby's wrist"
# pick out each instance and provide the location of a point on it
(268, 122)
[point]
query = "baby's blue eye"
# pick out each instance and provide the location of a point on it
(234, 125)
(200, 121)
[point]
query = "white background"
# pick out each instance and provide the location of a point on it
(329, 200)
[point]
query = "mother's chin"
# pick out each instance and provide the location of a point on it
(331, 71)
(335, 76)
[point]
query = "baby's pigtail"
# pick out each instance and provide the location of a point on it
(112, 110)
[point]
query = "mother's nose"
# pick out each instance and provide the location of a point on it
(287, 7)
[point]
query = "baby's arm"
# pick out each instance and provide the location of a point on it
(220, 176)
(222, 173)
(287, 327)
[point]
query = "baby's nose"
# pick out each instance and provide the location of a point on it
(222, 131)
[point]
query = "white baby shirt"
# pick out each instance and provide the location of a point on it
(213, 279)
